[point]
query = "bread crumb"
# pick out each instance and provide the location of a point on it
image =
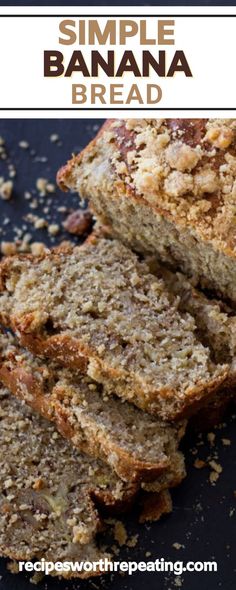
(44, 187)
(13, 567)
(199, 464)
(132, 542)
(54, 137)
(38, 248)
(8, 248)
(36, 578)
(41, 184)
(214, 476)
(226, 442)
(23, 144)
(178, 582)
(6, 188)
(211, 437)
(50, 187)
(216, 466)
(120, 533)
(53, 229)
(40, 223)
(178, 546)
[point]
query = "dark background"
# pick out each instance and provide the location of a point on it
(203, 519)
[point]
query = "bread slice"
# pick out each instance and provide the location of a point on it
(98, 308)
(216, 326)
(48, 491)
(215, 321)
(167, 187)
(137, 446)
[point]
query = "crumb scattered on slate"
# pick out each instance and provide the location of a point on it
(6, 188)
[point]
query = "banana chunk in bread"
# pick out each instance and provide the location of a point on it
(48, 491)
(98, 307)
(137, 446)
(167, 187)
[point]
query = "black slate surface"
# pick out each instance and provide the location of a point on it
(203, 519)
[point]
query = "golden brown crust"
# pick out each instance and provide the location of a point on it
(65, 349)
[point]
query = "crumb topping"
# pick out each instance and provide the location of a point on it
(186, 167)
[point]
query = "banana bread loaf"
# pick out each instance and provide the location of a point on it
(98, 308)
(135, 445)
(168, 187)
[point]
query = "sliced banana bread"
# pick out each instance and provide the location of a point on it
(215, 320)
(135, 445)
(168, 187)
(48, 491)
(216, 326)
(98, 308)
